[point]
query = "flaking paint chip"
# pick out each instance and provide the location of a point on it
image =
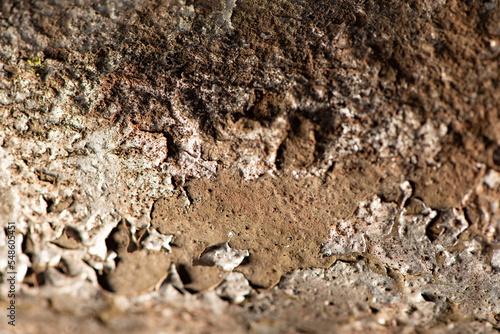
(235, 287)
(223, 256)
(156, 241)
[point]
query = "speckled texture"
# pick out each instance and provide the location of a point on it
(251, 166)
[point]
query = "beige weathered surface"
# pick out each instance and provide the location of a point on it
(251, 166)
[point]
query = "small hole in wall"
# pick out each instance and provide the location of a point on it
(184, 274)
(50, 204)
(496, 156)
(428, 297)
(102, 279)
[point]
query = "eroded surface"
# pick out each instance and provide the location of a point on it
(252, 166)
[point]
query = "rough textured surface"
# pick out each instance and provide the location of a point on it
(251, 166)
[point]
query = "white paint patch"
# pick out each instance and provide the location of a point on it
(223, 256)
(235, 287)
(492, 179)
(156, 241)
(495, 259)
(373, 218)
